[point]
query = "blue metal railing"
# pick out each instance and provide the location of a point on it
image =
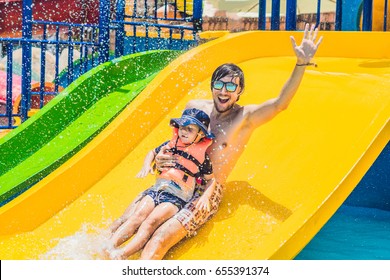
(89, 45)
(51, 37)
(343, 8)
(152, 18)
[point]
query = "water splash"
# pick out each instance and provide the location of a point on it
(85, 244)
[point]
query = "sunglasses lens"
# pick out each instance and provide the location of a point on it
(218, 85)
(231, 87)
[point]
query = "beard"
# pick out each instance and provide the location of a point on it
(222, 110)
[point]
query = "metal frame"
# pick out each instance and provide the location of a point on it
(93, 51)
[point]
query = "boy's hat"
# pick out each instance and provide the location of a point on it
(194, 116)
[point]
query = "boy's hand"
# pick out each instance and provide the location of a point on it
(144, 172)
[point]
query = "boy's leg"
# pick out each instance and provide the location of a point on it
(129, 227)
(159, 215)
(128, 212)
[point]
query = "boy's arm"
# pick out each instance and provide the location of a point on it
(147, 166)
(259, 114)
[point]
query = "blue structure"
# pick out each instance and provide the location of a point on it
(351, 14)
(94, 43)
(116, 34)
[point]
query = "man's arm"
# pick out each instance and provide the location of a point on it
(204, 200)
(259, 114)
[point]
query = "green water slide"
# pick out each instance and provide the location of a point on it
(73, 118)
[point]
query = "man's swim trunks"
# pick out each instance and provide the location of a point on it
(191, 218)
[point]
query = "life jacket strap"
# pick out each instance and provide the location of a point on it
(185, 155)
(186, 171)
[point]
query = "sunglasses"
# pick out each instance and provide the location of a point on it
(230, 87)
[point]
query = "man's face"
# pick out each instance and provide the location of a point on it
(226, 97)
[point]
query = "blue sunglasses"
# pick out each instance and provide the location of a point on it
(230, 87)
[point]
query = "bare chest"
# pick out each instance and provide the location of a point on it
(231, 137)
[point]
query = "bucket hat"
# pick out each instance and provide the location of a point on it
(194, 116)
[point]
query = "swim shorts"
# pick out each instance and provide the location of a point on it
(191, 218)
(160, 196)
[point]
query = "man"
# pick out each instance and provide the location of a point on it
(232, 126)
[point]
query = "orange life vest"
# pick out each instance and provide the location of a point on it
(190, 157)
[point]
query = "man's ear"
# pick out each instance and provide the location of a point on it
(239, 94)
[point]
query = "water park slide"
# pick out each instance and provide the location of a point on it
(294, 174)
(72, 119)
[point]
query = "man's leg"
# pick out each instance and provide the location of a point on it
(186, 222)
(163, 239)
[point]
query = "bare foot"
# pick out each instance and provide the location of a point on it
(106, 250)
(117, 254)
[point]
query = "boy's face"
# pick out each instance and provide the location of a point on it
(226, 97)
(189, 133)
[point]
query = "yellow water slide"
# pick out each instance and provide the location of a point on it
(294, 174)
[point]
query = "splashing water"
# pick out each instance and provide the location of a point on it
(86, 244)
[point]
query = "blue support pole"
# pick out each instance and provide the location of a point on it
(120, 30)
(291, 15)
(318, 17)
(56, 79)
(43, 69)
(262, 15)
(275, 15)
(339, 13)
(385, 16)
(104, 31)
(367, 15)
(9, 84)
(70, 74)
(26, 59)
(197, 15)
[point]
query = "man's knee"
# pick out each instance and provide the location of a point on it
(156, 247)
(149, 225)
(158, 241)
(163, 239)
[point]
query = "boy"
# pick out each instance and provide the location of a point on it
(174, 186)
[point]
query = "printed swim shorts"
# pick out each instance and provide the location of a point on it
(191, 218)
